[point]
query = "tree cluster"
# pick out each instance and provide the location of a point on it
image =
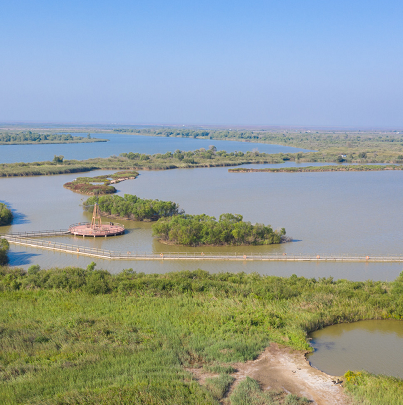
(195, 230)
(133, 207)
(6, 216)
(33, 137)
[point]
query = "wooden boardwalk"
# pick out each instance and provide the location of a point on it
(29, 240)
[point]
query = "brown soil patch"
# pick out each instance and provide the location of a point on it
(280, 368)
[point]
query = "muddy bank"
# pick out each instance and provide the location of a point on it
(282, 369)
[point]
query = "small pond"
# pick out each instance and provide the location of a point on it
(375, 346)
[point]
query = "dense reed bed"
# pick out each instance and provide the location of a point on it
(84, 336)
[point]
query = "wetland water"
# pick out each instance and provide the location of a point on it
(373, 346)
(119, 143)
(332, 212)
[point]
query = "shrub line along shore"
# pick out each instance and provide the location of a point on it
(310, 169)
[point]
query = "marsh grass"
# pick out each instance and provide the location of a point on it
(219, 368)
(370, 389)
(248, 392)
(218, 386)
(85, 336)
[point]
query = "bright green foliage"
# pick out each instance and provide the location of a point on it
(370, 389)
(85, 336)
(4, 246)
(133, 207)
(248, 392)
(218, 386)
(6, 216)
(219, 368)
(194, 230)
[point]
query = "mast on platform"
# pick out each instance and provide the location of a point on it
(96, 217)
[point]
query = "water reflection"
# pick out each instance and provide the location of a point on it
(21, 258)
(334, 212)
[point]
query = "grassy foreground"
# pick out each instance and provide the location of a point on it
(84, 336)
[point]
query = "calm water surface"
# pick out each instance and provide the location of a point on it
(373, 346)
(119, 143)
(339, 213)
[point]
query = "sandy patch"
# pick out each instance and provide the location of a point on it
(280, 368)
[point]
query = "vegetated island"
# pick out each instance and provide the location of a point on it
(136, 161)
(6, 216)
(32, 138)
(175, 227)
(179, 159)
(84, 185)
(88, 336)
(326, 146)
(201, 230)
(340, 168)
(132, 207)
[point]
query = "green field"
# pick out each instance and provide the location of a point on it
(84, 336)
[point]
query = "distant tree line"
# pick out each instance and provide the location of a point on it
(33, 137)
(195, 230)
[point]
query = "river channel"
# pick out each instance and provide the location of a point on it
(375, 346)
(119, 143)
(326, 213)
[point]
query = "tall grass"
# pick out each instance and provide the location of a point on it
(370, 389)
(88, 337)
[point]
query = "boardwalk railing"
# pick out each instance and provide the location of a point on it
(31, 234)
(117, 255)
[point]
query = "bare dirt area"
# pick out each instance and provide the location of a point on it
(279, 368)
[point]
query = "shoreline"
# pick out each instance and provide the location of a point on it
(318, 169)
(281, 368)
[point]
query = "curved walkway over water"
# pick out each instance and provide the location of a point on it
(27, 239)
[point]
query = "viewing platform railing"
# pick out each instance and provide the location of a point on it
(233, 256)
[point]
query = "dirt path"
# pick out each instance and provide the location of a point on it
(279, 368)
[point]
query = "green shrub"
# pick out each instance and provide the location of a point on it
(6, 216)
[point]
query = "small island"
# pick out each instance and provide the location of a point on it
(317, 169)
(6, 216)
(33, 138)
(84, 185)
(132, 207)
(203, 230)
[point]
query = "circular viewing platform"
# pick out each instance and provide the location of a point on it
(86, 229)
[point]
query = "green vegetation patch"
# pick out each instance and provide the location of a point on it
(85, 336)
(6, 216)
(230, 229)
(132, 207)
(4, 247)
(341, 168)
(31, 138)
(136, 161)
(84, 185)
(370, 389)
(332, 146)
(249, 392)
(218, 386)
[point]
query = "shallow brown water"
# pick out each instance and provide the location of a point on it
(373, 346)
(326, 213)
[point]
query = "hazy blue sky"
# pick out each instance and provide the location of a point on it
(283, 62)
